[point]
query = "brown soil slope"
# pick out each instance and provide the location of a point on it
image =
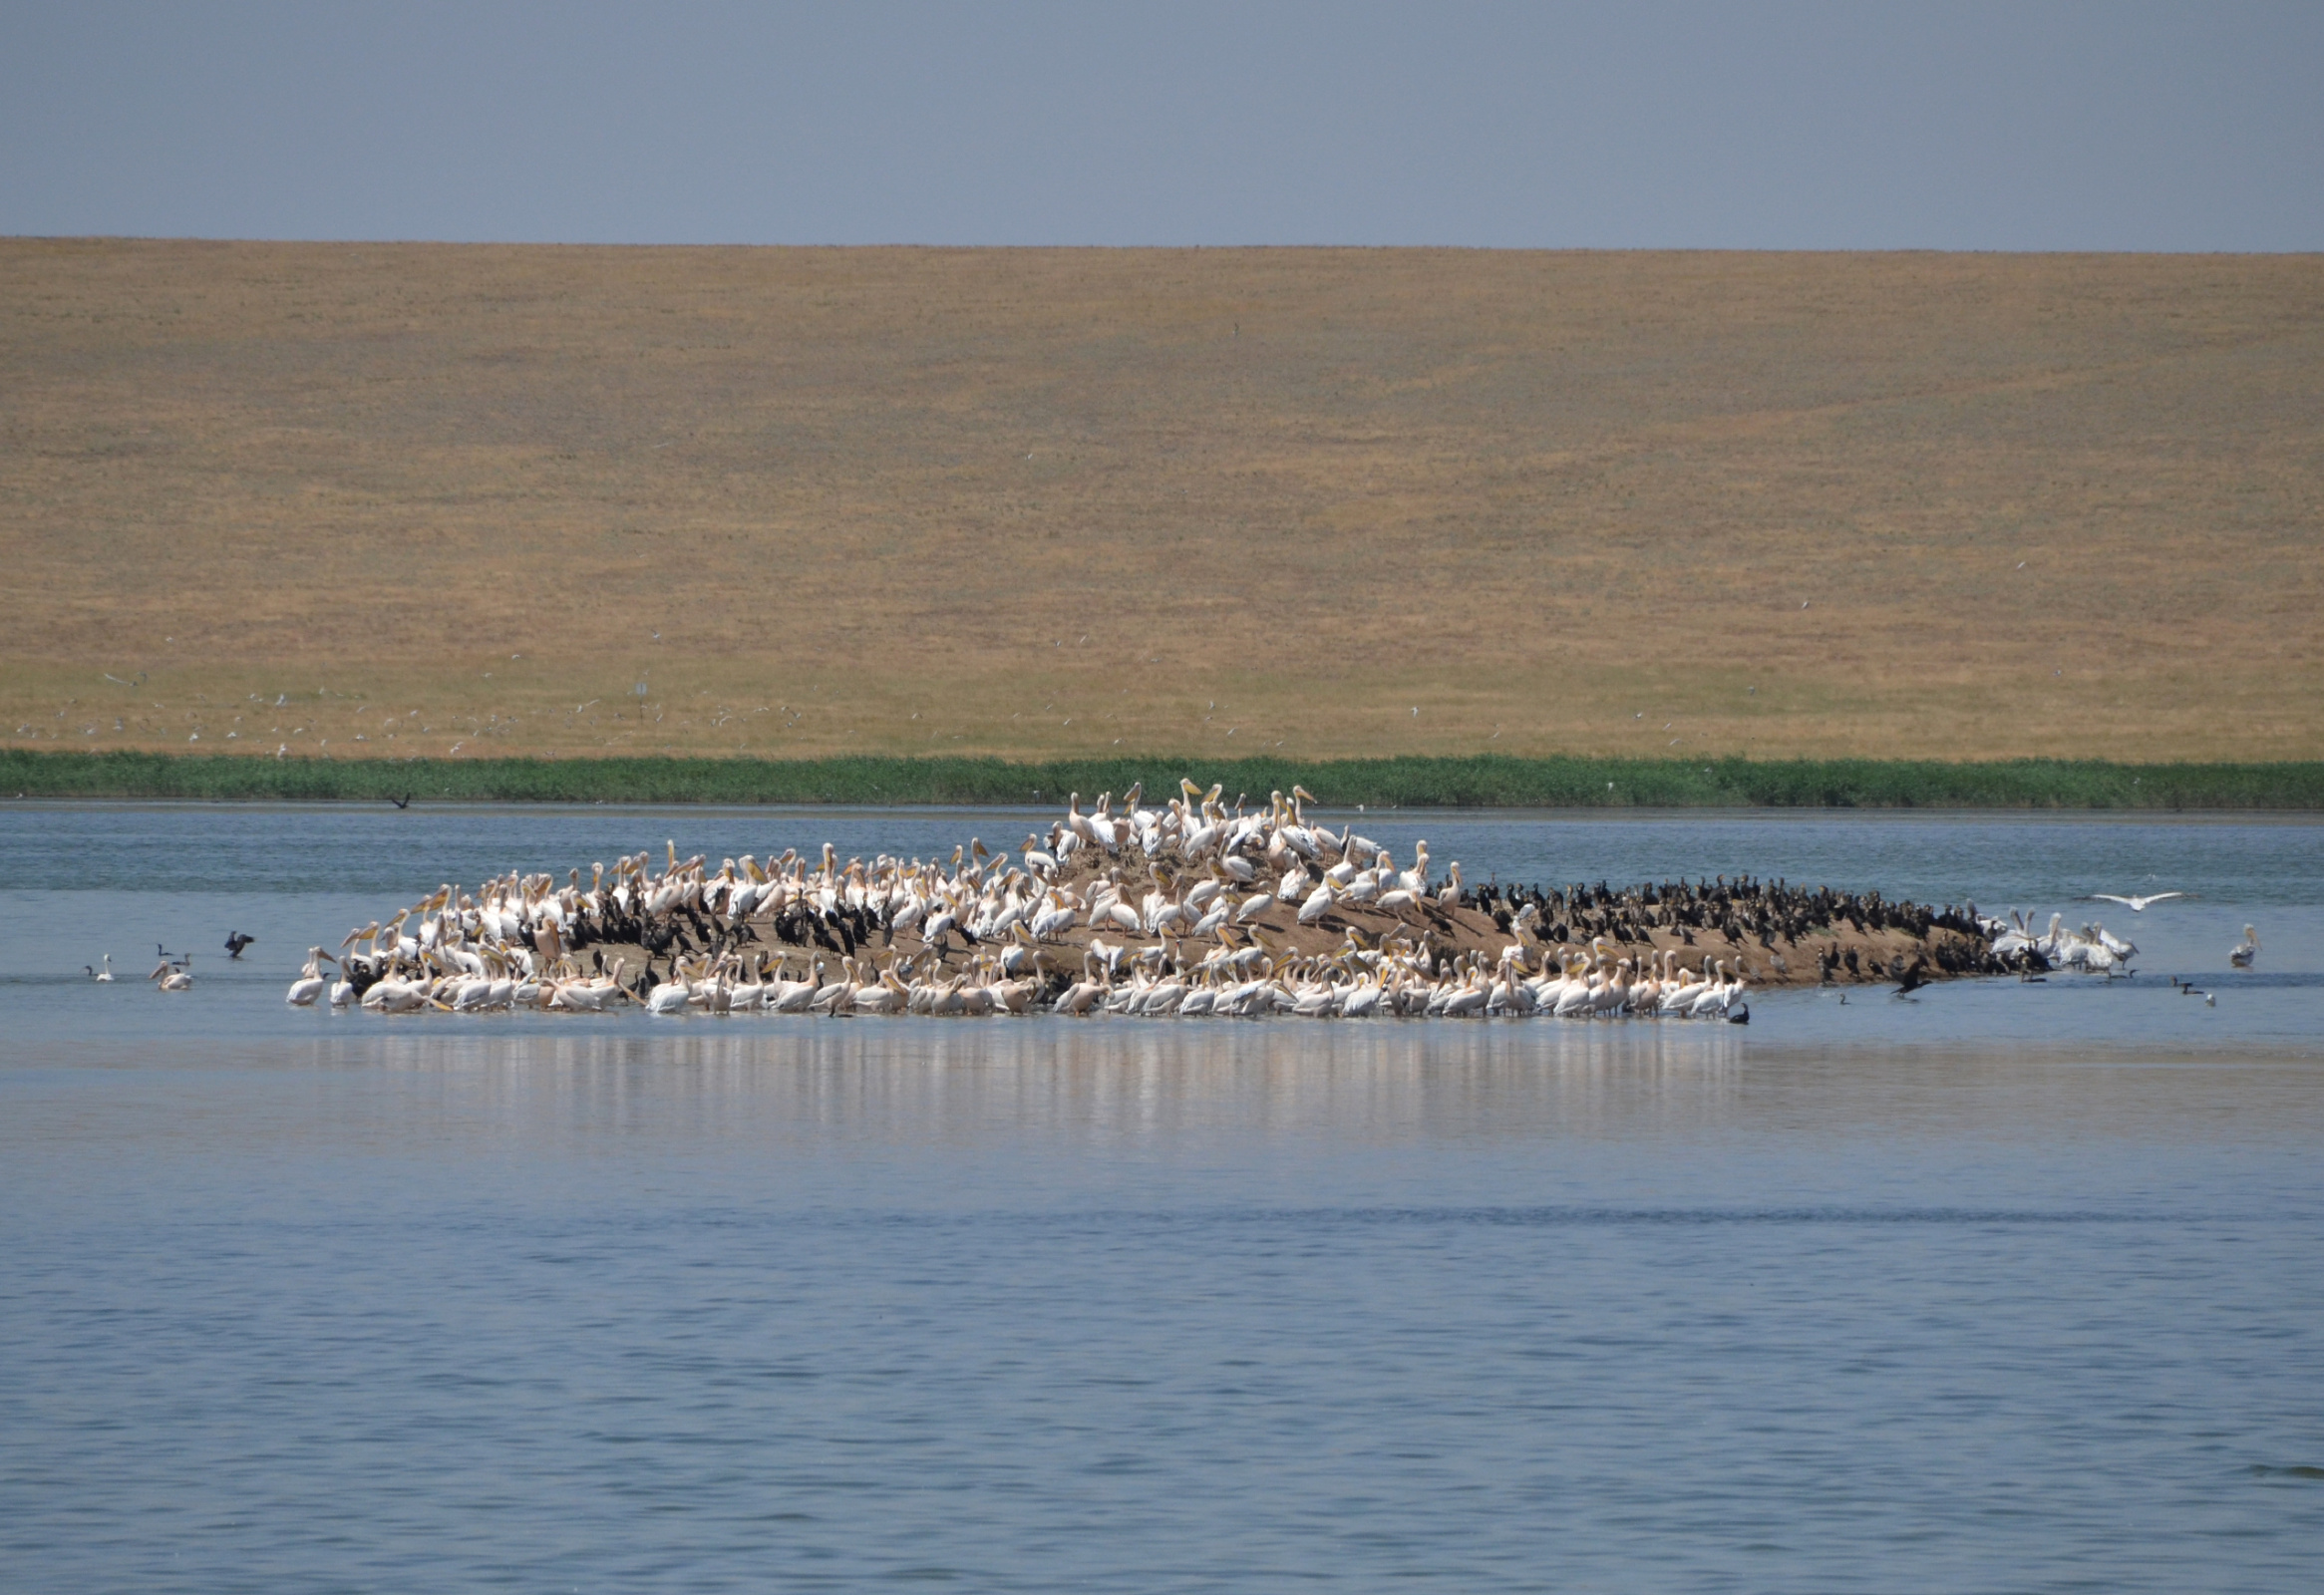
(1200, 503)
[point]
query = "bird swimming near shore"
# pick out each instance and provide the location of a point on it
(101, 975)
(2245, 951)
(2137, 905)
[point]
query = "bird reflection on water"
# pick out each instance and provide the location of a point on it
(1127, 1080)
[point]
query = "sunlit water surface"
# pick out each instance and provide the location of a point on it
(2010, 1287)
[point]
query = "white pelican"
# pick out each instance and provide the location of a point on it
(829, 994)
(1679, 991)
(1468, 998)
(1452, 894)
(1577, 995)
(1416, 879)
(1318, 904)
(1614, 995)
(2137, 905)
(2245, 951)
(789, 996)
(1716, 992)
(310, 982)
(884, 996)
(1164, 997)
(1087, 993)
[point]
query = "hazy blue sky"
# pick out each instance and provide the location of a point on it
(1965, 127)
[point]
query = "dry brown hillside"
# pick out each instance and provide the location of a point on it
(1033, 503)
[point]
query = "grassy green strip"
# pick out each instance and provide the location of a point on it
(1481, 782)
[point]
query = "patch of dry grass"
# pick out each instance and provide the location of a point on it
(1052, 504)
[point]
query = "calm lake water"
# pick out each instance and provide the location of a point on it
(2007, 1288)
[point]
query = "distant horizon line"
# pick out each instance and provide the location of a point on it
(1155, 249)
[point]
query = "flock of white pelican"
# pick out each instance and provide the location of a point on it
(1184, 909)
(1342, 987)
(2091, 949)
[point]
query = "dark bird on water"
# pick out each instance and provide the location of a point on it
(235, 942)
(405, 801)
